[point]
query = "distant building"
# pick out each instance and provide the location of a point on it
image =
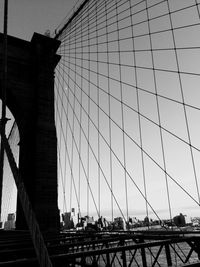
(195, 221)
(10, 223)
(179, 220)
(118, 223)
(67, 221)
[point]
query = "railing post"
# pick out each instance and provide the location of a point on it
(107, 257)
(144, 260)
(94, 261)
(143, 253)
(123, 256)
(168, 255)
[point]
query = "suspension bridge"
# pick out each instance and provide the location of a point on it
(104, 130)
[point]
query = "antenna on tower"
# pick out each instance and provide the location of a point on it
(47, 33)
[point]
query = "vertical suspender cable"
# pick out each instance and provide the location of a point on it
(4, 85)
(158, 112)
(3, 115)
(60, 153)
(73, 122)
(67, 112)
(88, 126)
(138, 110)
(98, 111)
(80, 119)
(122, 109)
(109, 114)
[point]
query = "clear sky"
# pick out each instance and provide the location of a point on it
(29, 16)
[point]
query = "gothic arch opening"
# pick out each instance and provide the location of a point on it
(9, 190)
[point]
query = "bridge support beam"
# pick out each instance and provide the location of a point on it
(30, 97)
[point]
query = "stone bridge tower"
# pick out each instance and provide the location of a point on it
(30, 97)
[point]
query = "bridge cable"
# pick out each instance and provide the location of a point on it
(76, 146)
(145, 152)
(88, 105)
(63, 175)
(136, 24)
(159, 115)
(4, 89)
(138, 112)
(109, 113)
(84, 134)
(122, 167)
(80, 133)
(68, 157)
(122, 107)
(98, 114)
(90, 45)
(183, 101)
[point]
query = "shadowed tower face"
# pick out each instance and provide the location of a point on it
(30, 97)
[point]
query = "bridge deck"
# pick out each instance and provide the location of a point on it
(139, 248)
